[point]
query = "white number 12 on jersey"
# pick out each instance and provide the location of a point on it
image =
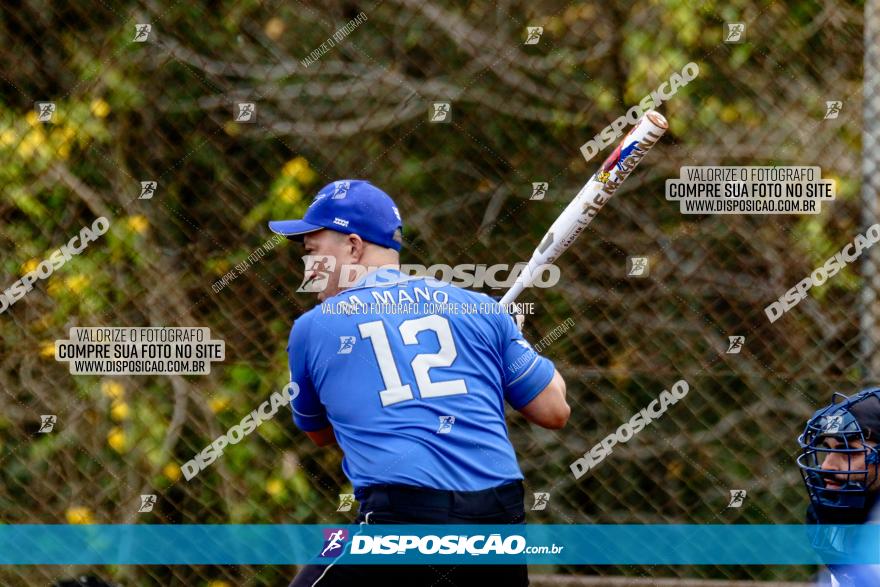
(395, 391)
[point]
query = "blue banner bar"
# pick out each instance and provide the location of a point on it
(419, 544)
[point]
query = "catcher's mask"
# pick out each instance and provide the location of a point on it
(852, 425)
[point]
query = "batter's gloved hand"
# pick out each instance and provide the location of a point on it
(515, 314)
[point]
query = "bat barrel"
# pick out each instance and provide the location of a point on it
(592, 197)
(513, 292)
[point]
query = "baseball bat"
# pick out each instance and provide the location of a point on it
(595, 194)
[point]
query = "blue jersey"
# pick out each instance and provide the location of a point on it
(413, 375)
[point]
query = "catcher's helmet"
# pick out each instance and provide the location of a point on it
(852, 422)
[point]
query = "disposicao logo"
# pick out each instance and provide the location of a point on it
(334, 542)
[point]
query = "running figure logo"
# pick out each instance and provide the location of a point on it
(533, 35)
(147, 503)
(47, 423)
(831, 424)
(334, 542)
(346, 500)
(346, 345)
(142, 32)
(832, 109)
(735, 344)
(541, 501)
(148, 190)
(737, 497)
(246, 112)
(45, 111)
(539, 190)
(523, 343)
(638, 266)
(318, 271)
(441, 112)
(735, 32)
(446, 423)
(340, 190)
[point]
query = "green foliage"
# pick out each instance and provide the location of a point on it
(129, 112)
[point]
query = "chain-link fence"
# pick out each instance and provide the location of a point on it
(160, 108)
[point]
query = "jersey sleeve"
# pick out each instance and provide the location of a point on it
(309, 414)
(526, 373)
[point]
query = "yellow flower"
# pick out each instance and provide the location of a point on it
(219, 584)
(218, 404)
(100, 108)
(25, 149)
(290, 194)
(47, 349)
(112, 389)
(274, 28)
(232, 128)
(729, 114)
(29, 266)
(292, 167)
(119, 410)
(31, 142)
(274, 487)
(79, 515)
(63, 136)
(7, 137)
(171, 471)
(298, 168)
(76, 283)
(116, 439)
(221, 266)
(138, 223)
(31, 118)
(67, 133)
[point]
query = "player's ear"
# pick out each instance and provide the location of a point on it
(355, 247)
